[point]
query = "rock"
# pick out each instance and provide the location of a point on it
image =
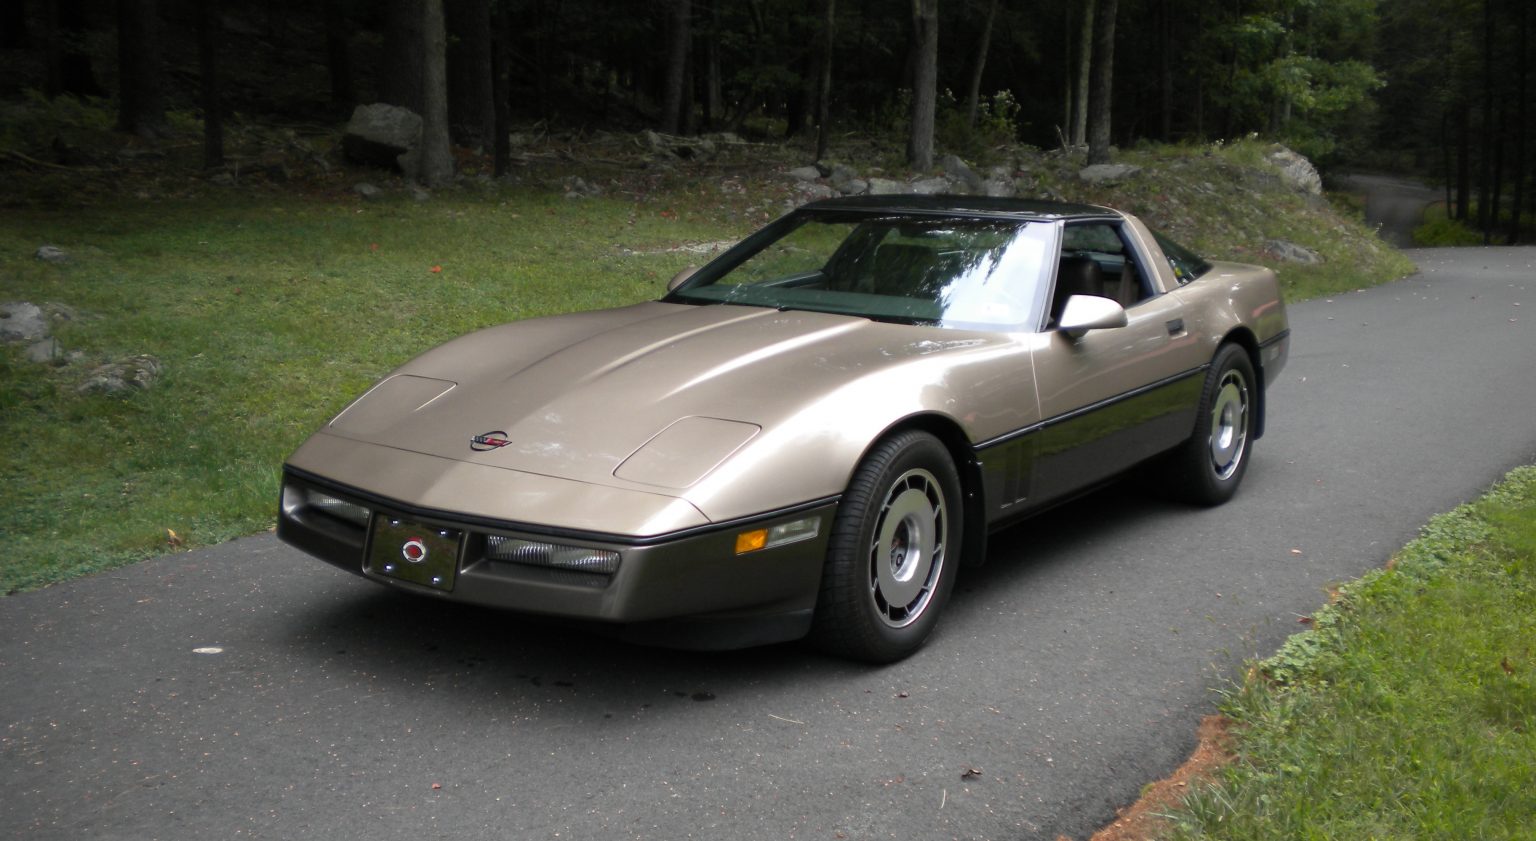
(931, 186)
(420, 193)
(694, 149)
(578, 188)
(887, 187)
(845, 179)
(367, 191)
(805, 173)
(961, 172)
(1290, 252)
(998, 188)
(1107, 173)
(122, 377)
(812, 191)
(22, 321)
(852, 187)
(47, 350)
(1296, 170)
(51, 254)
(222, 179)
(379, 134)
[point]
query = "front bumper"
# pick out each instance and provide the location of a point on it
(689, 588)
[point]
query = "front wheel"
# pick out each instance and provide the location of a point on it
(1210, 465)
(892, 552)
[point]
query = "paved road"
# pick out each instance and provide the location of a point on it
(1394, 206)
(1068, 672)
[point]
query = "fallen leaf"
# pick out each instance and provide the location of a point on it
(437, 786)
(373, 246)
(971, 774)
(901, 695)
(1305, 620)
(437, 269)
(172, 538)
(1508, 669)
(1295, 551)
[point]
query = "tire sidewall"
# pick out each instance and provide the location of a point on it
(1204, 485)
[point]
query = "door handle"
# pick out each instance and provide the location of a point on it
(1175, 327)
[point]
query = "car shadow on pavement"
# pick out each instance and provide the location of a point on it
(399, 642)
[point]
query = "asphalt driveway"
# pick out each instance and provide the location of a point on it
(246, 691)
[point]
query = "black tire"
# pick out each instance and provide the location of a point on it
(1210, 465)
(892, 553)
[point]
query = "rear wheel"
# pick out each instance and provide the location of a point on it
(1211, 464)
(892, 552)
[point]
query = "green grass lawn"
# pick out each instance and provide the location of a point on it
(1409, 711)
(267, 314)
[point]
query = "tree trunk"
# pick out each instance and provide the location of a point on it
(501, 88)
(1445, 149)
(141, 106)
(925, 79)
(714, 101)
(973, 95)
(798, 104)
(1522, 117)
(338, 56)
(1464, 161)
(1495, 198)
(1100, 98)
(471, 108)
(1084, 66)
(824, 89)
(436, 158)
(209, 28)
(673, 98)
(401, 62)
(1485, 210)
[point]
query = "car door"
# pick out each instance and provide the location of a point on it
(1116, 396)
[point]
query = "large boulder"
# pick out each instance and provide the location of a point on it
(22, 321)
(962, 174)
(379, 134)
(1296, 170)
(1290, 252)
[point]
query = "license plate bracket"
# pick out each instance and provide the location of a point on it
(409, 551)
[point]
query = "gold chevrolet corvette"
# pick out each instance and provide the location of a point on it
(808, 436)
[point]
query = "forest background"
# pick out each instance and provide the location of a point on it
(1435, 88)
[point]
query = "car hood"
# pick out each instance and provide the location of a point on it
(650, 397)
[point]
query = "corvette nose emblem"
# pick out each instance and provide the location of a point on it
(414, 550)
(489, 441)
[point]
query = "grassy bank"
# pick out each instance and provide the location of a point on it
(269, 305)
(266, 316)
(1409, 710)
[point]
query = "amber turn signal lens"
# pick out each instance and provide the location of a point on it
(751, 541)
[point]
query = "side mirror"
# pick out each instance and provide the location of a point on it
(1089, 312)
(677, 279)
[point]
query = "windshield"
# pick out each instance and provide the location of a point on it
(961, 273)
